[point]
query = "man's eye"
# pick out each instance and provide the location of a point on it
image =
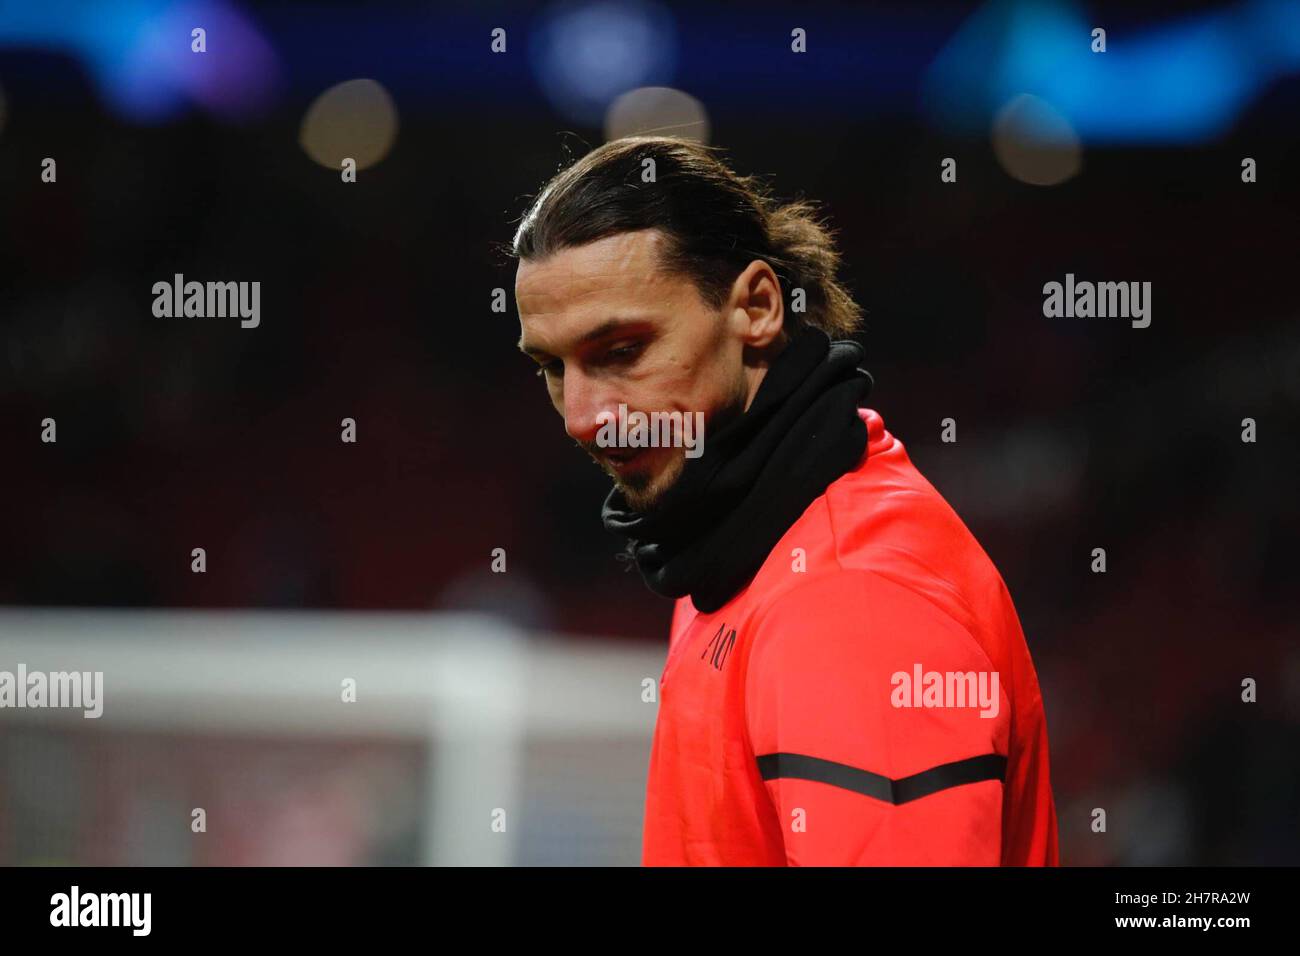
(625, 352)
(554, 367)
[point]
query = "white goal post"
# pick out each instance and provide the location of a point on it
(482, 699)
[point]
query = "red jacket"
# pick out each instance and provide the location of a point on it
(792, 728)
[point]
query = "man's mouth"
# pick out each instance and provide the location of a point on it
(624, 460)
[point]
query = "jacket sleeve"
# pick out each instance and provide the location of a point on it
(858, 773)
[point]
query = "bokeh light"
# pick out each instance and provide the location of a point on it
(658, 111)
(356, 119)
(1035, 143)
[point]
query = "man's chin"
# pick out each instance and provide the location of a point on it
(644, 490)
(639, 497)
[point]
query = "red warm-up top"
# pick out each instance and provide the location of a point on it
(868, 698)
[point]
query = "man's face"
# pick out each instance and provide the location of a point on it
(608, 326)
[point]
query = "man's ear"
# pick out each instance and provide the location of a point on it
(758, 305)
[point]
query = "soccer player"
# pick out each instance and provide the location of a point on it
(847, 682)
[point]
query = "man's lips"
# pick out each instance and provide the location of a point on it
(623, 459)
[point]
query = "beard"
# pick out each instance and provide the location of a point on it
(646, 486)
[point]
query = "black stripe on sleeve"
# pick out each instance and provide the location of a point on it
(903, 790)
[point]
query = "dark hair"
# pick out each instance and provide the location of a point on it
(716, 223)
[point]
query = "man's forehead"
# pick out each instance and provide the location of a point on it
(616, 266)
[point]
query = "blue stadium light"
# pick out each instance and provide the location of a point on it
(1182, 81)
(585, 54)
(138, 53)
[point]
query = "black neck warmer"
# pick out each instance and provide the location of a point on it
(714, 528)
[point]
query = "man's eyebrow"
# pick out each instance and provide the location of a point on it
(606, 328)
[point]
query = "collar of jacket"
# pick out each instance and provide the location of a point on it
(712, 531)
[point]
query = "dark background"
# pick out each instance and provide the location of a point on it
(1072, 433)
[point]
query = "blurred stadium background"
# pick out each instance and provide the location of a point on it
(371, 560)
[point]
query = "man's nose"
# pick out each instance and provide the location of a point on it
(584, 400)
